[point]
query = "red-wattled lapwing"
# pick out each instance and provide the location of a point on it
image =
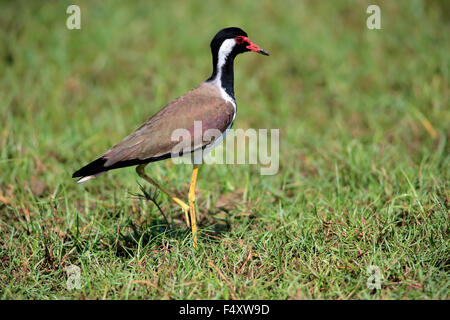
(212, 103)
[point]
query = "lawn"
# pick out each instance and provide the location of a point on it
(364, 169)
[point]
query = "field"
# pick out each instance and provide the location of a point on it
(364, 170)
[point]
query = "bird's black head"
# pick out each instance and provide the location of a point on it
(225, 46)
(231, 42)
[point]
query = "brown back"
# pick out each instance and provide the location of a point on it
(153, 138)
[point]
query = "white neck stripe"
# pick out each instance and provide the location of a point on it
(224, 50)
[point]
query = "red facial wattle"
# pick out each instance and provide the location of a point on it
(251, 46)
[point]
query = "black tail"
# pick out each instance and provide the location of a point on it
(98, 166)
(92, 168)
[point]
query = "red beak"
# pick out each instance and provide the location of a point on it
(254, 47)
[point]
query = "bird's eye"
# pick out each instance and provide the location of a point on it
(239, 40)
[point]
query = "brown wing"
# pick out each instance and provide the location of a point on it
(154, 138)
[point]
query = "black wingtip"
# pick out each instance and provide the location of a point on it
(92, 168)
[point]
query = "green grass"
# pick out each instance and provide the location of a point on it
(364, 154)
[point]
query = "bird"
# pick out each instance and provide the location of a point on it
(212, 102)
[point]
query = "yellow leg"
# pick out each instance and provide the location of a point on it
(192, 205)
(140, 169)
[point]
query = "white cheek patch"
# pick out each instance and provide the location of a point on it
(225, 49)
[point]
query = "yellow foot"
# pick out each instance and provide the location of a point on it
(185, 209)
(192, 211)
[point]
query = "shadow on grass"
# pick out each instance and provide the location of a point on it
(155, 232)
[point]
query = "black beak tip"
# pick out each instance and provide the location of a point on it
(263, 52)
